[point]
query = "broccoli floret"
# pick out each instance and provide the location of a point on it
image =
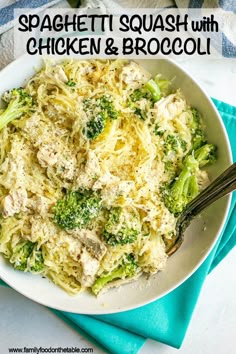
(26, 257)
(206, 155)
(20, 255)
(87, 104)
(71, 83)
(184, 188)
(174, 143)
(196, 120)
(95, 126)
(127, 269)
(171, 143)
(149, 91)
(76, 209)
(107, 108)
(198, 139)
(198, 136)
(121, 228)
(138, 95)
(140, 113)
(158, 131)
(36, 262)
(19, 102)
(104, 109)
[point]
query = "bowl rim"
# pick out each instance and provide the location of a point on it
(202, 258)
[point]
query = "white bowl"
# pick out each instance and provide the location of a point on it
(197, 244)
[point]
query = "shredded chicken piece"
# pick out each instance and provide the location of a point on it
(31, 124)
(52, 152)
(53, 156)
(106, 179)
(47, 156)
(91, 241)
(92, 164)
(111, 191)
(14, 202)
(57, 74)
(170, 106)
(90, 172)
(90, 267)
(40, 204)
(13, 169)
(85, 70)
(112, 187)
(41, 132)
(134, 75)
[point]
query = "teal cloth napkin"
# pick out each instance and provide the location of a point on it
(165, 320)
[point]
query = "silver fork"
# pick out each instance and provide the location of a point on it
(221, 186)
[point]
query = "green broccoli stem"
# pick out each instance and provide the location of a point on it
(192, 188)
(196, 118)
(198, 139)
(154, 89)
(126, 270)
(118, 273)
(205, 155)
(184, 188)
(181, 185)
(10, 114)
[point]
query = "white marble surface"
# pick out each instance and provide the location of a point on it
(212, 330)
